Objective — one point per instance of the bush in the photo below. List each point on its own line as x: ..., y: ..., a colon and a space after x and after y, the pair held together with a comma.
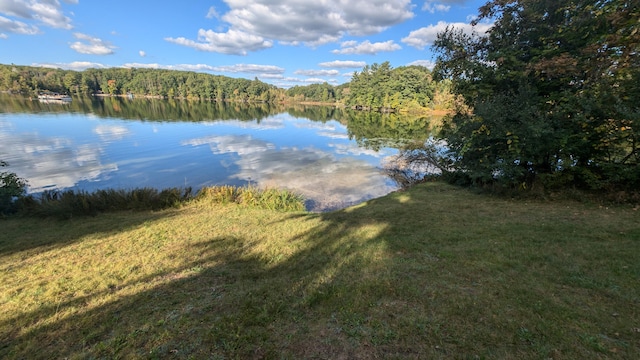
x: 12, y: 188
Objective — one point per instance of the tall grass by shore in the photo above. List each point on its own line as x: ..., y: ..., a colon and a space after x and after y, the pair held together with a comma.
x: 434, y: 272
x: 70, y: 203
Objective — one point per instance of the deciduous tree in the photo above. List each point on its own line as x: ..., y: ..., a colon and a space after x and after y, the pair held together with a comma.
x: 550, y: 91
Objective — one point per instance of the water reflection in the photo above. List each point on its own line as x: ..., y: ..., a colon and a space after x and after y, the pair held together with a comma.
x: 51, y: 162
x: 334, y: 161
x: 328, y: 182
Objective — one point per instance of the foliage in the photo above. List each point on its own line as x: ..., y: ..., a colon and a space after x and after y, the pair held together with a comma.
x: 147, y: 109
x: 11, y: 188
x: 69, y: 203
x: 314, y: 92
x: 407, y: 88
x: 373, y: 130
x: 417, y: 162
x: 380, y: 86
x: 550, y: 92
x: 271, y: 199
x: 147, y: 82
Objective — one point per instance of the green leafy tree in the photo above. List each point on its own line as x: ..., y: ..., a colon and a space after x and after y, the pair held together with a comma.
x: 548, y: 92
x: 11, y: 187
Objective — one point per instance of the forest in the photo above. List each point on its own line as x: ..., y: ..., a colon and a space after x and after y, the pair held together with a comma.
x: 378, y: 86
x: 160, y: 83
x: 381, y: 87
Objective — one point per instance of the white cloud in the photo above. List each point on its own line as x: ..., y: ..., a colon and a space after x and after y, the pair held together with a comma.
x: 237, y: 68
x: 339, y: 64
x: 232, y: 42
x: 212, y: 13
x: 431, y: 6
x: 366, y: 47
x: 426, y: 63
x: 4, y: 36
x: 76, y: 65
x: 317, y: 72
x: 250, y: 69
x: 46, y: 12
x: 91, y: 45
x: 255, y: 24
x: 52, y: 162
x: 17, y: 27
x: 271, y: 76
x: 427, y: 35
x: 142, y: 53
x: 110, y: 133
x: 314, y: 81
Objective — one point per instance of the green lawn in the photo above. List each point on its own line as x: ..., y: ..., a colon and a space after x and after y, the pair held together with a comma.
x: 432, y: 272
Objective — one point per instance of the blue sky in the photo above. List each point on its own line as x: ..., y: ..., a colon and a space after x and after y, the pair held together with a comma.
x: 282, y: 42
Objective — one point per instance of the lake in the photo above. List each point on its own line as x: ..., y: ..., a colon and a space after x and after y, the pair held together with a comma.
x: 332, y: 157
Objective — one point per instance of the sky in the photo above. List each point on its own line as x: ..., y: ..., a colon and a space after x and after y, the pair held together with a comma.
x: 281, y: 42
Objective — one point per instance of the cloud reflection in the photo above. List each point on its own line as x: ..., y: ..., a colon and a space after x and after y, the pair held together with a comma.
x: 315, y: 174
x: 51, y: 162
x: 110, y: 133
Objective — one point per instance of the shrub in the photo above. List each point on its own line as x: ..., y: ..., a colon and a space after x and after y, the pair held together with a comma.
x: 12, y: 187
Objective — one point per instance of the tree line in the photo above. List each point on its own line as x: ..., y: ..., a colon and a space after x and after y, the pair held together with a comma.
x: 376, y: 86
x: 145, y: 82
x: 382, y: 87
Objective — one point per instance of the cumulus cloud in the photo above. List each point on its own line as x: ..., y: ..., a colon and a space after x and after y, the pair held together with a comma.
x: 91, y: 45
x: 76, y: 65
x: 366, y: 47
x: 250, y: 69
x: 46, y: 12
x: 317, y: 72
x: 426, y: 63
x: 237, y: 68
x: 142, y: 53
x: 339, y: 64
x: 255, y: 24
x: 232, y: 42
x: 432, y: 6
x: 17, y: 27
x: 212, y: 13
x: 427, y: 35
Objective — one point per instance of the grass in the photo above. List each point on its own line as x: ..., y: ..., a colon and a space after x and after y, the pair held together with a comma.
x: 432, y: 272
x: 70, y: 203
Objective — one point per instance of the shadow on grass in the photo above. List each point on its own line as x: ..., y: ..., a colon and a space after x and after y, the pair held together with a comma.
x: 53, y: 233
x: 375, y: 281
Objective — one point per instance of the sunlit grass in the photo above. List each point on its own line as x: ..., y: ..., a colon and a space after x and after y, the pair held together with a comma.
x: 433, y: 272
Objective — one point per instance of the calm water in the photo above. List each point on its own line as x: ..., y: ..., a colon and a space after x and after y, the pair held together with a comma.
x: 331, y: 157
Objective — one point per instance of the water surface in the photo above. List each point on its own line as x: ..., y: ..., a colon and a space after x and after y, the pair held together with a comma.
x: 331, y: 157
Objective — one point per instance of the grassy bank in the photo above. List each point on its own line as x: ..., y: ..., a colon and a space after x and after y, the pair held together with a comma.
x: 433, y: 272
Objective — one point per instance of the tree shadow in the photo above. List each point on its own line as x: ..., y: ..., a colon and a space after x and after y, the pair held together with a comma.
x: 237, y: 302
x: 53, y: 233
x: 234, y: 301
x: 354, y: 284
